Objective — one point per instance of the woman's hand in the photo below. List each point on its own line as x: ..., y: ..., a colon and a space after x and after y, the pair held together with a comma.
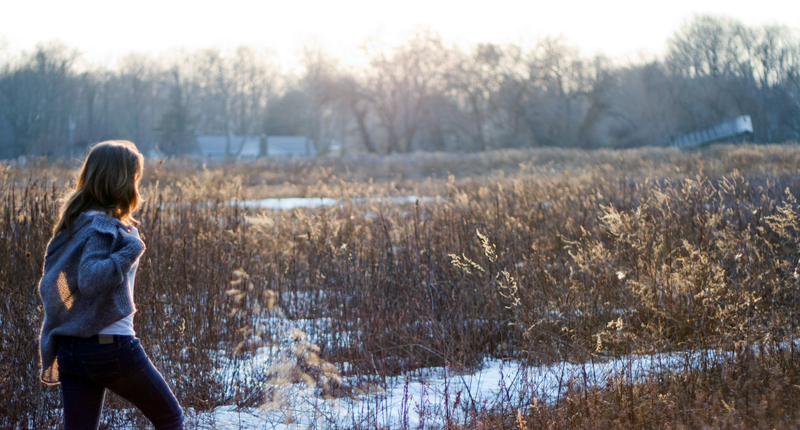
x: 129, y: 231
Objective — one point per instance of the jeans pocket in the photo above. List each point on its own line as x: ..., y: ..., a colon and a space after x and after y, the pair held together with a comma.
x: 65, y: 364
x: 102, y: 369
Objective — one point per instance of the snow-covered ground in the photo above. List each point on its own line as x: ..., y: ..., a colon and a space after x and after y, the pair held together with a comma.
x: 312, y: 202
x: 426, y: 397
x: 289, y: 203
x: 434, y: 395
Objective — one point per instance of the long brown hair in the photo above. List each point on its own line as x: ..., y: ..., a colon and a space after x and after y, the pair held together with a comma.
x: 108, y: 181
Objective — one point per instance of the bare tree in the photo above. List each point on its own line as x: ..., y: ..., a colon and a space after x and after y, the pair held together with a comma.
x: 355, y: 97
x: 706, y: 46
x: 400, y: 86
x: 38, y: 95
x: 137, y: 74
x: 475, y: 79
x: 559, y: 83
x: 326, y: 114
x: 234, y: 89
x: 176, y: 125
x: 723, y: 69
x: 419, y: 95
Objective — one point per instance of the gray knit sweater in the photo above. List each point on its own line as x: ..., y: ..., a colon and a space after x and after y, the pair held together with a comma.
x: 83, y: 288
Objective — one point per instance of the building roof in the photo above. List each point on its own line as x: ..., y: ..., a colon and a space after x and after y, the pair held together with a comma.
x: 214, y: 146
x: 290, y: 146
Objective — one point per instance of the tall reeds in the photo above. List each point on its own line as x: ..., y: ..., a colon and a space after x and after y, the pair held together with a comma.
x: 562, y: 255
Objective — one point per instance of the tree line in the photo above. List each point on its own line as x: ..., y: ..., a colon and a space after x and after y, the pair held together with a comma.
x: 419, y: 96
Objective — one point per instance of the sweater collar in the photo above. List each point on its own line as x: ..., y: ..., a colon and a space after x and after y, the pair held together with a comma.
x: 99, y: 222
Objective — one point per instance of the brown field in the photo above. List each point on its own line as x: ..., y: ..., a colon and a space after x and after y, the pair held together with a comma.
x: 540, y: 256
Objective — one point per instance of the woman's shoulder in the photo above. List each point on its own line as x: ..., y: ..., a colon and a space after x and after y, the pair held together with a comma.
x: 71, y: 239
x: 102, y: 223
x: 85, y: 225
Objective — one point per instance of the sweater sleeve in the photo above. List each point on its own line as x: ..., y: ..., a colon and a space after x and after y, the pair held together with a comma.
x: 100, y: 268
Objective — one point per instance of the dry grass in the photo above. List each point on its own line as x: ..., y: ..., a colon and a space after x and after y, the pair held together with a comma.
x: 750, y: 390
x: 541, y: 256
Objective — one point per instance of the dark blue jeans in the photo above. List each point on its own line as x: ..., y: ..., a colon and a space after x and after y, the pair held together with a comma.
x: 87, y: 368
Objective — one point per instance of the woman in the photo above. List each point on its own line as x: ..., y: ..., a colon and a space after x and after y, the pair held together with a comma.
x: 87, y: 341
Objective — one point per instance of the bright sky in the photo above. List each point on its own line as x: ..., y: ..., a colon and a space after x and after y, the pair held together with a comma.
x: 104, y: 30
